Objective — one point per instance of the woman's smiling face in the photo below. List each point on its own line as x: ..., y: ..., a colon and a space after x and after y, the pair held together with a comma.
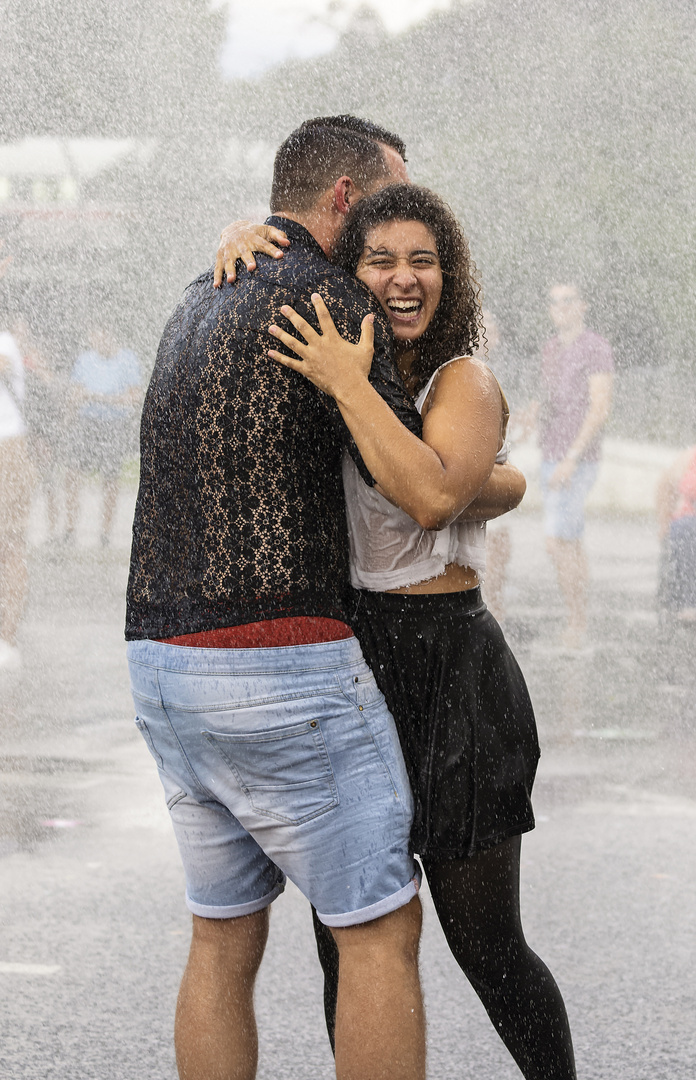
x: 401, y: 266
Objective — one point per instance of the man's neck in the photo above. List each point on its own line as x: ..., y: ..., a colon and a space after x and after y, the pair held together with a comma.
x: 567, y: 337
x: 320, y: 224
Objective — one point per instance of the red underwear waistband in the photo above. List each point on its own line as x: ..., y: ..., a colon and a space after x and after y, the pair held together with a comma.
x: 267, y: 634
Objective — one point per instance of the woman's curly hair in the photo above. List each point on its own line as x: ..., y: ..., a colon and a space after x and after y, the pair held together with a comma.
x: 454, y: 330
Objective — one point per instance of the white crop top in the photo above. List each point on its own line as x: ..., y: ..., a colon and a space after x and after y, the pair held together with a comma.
x: 388, y: 549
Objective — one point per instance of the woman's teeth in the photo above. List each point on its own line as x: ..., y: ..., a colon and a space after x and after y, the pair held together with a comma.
x: 404, y: 307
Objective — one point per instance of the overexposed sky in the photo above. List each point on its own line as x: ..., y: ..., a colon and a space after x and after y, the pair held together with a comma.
x: 263, y: 33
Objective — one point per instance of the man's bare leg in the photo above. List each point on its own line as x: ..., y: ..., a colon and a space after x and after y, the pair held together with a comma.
x: 571, y: 567
x: 380, y: 1023
x: 215, y: 1030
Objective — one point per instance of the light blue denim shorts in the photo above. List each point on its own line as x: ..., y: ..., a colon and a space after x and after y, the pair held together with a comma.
x: 564, y: 507
x: 275, y: 762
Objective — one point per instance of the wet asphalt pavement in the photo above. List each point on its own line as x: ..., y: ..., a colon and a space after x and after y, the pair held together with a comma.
x: 93, y: 928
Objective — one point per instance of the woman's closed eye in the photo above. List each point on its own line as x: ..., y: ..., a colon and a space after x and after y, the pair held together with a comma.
x: 379, y: 260
x: 382, y: 262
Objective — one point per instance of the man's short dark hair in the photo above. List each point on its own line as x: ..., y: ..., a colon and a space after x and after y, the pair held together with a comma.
x: 361, y: 127
x: 321, y: 150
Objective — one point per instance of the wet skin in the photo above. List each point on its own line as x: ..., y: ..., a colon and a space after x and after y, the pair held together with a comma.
x: 400, y: 265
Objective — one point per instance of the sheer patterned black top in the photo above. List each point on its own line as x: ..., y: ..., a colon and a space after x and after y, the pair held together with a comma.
x: 240, y: 514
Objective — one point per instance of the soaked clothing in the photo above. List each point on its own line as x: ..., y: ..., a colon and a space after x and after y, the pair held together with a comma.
x: 463, y: 714
x: 468, y: 735
x: 388, y: 549
x: 240, y: 514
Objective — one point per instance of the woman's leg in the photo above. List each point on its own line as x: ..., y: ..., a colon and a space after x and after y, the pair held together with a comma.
x: 327, y: 950
x: 477, y: 902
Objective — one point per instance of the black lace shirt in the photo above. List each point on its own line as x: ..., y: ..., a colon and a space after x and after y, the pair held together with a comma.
x: 240, y: 514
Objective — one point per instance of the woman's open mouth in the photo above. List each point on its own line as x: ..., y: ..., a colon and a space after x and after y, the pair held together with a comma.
x: 405, y: 309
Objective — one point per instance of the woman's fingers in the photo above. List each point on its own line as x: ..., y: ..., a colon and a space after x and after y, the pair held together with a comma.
x: 323, y: 314
x: 246, y: 254
x: 286, y: 361
x: 219, y: 268
x: 278, y: 236
x: 288, y: 340
x: 267, y: 246
x: 241, y: 241
x: 308, y: 332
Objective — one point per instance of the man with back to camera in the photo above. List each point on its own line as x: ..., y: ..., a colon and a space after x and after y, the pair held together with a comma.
x: 275, y: 750
x: 577, y: 379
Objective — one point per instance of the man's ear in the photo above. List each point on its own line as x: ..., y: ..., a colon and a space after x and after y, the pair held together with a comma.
x: 345, y: 194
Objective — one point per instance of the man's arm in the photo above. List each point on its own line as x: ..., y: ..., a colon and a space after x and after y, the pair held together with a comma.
x: 600, y: 387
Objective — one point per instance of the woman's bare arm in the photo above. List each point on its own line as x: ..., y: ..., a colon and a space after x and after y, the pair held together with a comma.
x: 502, y: 492
x: 435, y: 479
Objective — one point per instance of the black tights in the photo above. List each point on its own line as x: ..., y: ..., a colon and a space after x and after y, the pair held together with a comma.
x: 477, y: 903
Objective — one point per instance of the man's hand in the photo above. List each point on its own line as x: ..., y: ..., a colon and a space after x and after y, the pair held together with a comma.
x: 563, y: 473
x: 239, y: 241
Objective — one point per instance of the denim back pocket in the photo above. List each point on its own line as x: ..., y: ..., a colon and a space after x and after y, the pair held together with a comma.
x: 285, y: 772
x: 145, y: 732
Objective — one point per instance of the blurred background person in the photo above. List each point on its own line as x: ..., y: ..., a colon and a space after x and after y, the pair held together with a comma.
x: 106, y: 392
x: 5, y: 260
x: 44, y: 417
x: 576, y: 383
x: 16, y: 485
x: 676, y: 517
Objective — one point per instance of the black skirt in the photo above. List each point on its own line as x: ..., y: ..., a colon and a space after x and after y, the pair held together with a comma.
x: 463, y: 713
